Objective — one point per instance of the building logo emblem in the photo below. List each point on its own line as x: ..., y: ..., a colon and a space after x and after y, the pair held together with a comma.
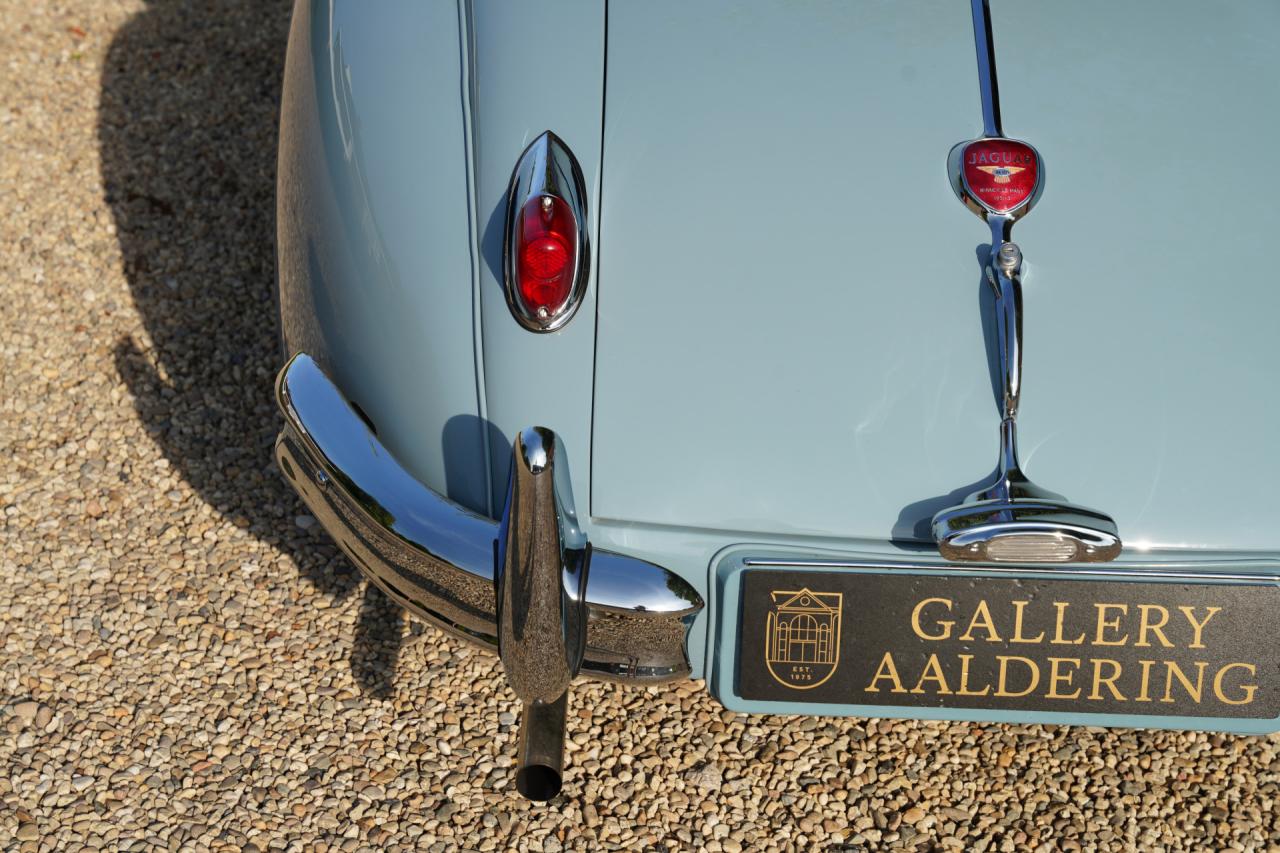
x: 802, y: 637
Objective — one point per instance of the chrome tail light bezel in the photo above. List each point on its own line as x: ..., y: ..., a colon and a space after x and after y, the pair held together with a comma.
x: 546, y: 168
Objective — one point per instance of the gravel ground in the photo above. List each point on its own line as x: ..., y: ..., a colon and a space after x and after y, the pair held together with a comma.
x: 187, y: 663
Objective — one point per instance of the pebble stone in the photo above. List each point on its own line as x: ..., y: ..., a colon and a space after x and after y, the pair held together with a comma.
x: 187, y: 663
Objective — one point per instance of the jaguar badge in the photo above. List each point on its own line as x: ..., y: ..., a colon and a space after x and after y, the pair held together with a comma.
x: 994, y: 176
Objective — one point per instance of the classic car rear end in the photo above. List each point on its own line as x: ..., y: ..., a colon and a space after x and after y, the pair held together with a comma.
x: 749, y: 432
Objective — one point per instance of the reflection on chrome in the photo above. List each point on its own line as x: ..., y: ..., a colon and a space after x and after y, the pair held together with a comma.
x: 436, y: 558
x: 542, y: 569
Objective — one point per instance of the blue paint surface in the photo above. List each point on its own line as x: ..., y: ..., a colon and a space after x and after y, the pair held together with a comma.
x: 783, y: 344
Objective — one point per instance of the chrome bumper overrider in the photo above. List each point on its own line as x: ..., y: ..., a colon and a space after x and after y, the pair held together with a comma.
x: 437, y: 559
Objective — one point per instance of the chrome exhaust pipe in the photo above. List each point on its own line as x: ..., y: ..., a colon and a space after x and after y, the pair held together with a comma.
x: 542, y: 560
x: 540, y: 750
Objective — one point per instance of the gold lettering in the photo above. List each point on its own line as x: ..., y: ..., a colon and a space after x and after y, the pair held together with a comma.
x: 1002, y: 680
x: 944, y: 624
x: 1110, y: 680
x: 1104, y: 624
x: 1249, y: 689
x: 886, y: 669
x: 932, y: 672
x: 1194, y: 692
x: 981, y: 619
x: 964, y: 679
x: 1061, y: 607
x: 1017, y: 625
x: 1146, y: 681
x: 1055, y: 677
x: 1146, y: 625
x: 1198, y: 627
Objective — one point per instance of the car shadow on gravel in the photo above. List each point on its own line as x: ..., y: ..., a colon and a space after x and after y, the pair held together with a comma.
x: 188, y: 116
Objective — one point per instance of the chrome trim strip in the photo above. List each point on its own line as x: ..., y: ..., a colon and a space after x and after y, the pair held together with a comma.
x: 986, y: 68
x: 547, y: 167
x: 1086, y: 571
x: 466, y: 35
x: 436, y: 558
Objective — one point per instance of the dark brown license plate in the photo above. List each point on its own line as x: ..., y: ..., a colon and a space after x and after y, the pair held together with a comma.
x: 1078, y: 646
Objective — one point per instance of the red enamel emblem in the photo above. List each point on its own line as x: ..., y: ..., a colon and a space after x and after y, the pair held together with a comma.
x: 1000, y: 173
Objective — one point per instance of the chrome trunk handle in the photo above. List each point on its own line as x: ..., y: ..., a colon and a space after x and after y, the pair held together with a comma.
x: 1010, y: 519
x: 1004, y: 273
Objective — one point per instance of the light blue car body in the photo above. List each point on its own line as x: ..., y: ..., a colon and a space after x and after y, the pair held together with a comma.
x: 781, y: 348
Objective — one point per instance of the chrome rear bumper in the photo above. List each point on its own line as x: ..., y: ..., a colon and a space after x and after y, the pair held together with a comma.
x: 437, y: 559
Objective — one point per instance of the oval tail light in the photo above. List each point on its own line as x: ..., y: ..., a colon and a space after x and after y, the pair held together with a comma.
x: 546, y: 246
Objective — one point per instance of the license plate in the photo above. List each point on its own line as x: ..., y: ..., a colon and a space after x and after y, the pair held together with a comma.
x: 1020, y: 644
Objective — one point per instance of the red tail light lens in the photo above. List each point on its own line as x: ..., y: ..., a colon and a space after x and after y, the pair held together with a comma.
x: 546, y: 242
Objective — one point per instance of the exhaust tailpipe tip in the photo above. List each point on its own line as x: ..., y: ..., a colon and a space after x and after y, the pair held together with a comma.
x: 540, y: 752
x: 538, y: 782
